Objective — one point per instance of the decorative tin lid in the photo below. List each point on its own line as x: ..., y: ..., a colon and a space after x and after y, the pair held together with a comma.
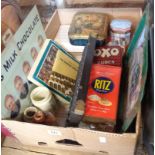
x: 89, y: 23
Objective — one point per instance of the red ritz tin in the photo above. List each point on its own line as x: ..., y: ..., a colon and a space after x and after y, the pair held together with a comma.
x: 103, y: 93
x: 109, y: 55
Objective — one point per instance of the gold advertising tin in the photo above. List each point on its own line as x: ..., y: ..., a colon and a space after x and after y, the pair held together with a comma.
x: 88, y: 23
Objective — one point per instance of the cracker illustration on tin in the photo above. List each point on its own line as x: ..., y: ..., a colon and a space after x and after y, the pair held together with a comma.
x: 101, y: 101
x: 105, y: 102
x: 94, y: 98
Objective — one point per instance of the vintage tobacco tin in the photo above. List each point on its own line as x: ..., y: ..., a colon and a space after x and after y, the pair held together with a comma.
x: 109, y: 55
x: 87, y: 23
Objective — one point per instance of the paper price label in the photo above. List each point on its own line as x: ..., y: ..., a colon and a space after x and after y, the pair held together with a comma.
x: 102, y: 139
x: 7, y: 36
x: 54, y: 132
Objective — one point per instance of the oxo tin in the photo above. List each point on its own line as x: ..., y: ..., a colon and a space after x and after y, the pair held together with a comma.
x: 109, y: 55
x: 102, y: 95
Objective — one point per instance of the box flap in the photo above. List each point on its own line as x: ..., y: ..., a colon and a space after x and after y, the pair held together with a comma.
x: 100, y: 141
x: 37, y: 133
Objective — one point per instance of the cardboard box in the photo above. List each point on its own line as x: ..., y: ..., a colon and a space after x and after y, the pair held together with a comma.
x: 83, y: 139
x: 104, y: 3
x: 58, y: 25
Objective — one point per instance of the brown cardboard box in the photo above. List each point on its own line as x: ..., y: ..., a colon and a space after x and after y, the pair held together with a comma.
x: 104, y: 3
x: 58, y: 25
x: 84, y: 140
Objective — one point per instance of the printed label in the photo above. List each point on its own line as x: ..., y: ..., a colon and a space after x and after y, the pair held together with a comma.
x: 102, y: 140
x: 54, y: 132
x: 7, y: 36
x: 108, y: 55
x: 107, y: 52
x: 102, y: 85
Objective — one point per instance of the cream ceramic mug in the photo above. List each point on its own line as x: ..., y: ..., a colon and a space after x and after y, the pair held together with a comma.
x: 42, y: 98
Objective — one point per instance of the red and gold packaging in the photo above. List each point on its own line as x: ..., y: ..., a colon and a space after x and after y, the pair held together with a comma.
x: 103, y: 93
x: 109, y: 55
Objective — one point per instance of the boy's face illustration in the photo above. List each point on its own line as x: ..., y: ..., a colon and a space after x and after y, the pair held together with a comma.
x: 10, y: 103
x: 34, y: 53
x: 26, y: 68
x: 40, y: 41
x: 19, y: 85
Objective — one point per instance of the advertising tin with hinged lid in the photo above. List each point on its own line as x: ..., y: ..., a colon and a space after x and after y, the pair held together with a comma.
x: 88, y: 23
x: 102, y: 95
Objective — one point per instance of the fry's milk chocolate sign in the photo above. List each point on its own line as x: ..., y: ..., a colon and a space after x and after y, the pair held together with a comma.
x: 16, y: 61
x: 103, y: 92
x: 108, y: 55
